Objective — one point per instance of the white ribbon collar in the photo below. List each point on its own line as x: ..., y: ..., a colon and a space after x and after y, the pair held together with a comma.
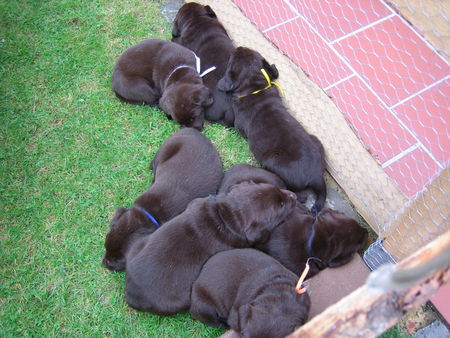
x: 197, y: 65
x: 197, y: 68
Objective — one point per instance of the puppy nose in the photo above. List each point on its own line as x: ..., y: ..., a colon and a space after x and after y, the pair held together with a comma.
x: 106, y: 263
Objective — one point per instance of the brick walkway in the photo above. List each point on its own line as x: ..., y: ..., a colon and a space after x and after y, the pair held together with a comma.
x: 387, y: 80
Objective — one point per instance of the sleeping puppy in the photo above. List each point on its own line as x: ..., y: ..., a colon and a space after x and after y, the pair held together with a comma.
x: 277, y: 140
x: 186, y: 166
x: 161, y: 72
x: 332, y: 237
x: 249, y: 292
x: 162, y: 267
x: 197, y: 28
x: 242, y: 172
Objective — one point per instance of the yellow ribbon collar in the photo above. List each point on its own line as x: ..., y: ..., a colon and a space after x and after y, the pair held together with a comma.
x: 269, y: 84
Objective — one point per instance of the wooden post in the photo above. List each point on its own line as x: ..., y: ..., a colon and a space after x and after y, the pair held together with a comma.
x: 369, y: 310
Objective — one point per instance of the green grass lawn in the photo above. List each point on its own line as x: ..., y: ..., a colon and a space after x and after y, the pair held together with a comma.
x: 71, y: 153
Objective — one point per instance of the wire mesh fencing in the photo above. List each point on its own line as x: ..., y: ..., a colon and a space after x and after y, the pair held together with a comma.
x: 385, y: 66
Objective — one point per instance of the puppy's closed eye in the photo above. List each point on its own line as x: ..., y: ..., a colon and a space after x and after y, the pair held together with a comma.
x: 210, y: 12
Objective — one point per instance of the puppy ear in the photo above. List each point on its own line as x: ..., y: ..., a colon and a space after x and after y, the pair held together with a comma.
x: 239, y: 317
x: 210, y: 12
x: 250, y: 318
x: 204, y: 98
x: 341, y: 260
x: 166, y: 104
x: 119, y: 212
x: 222, y: 208
x: 271, y: 70
x: 208, y: 101
x: 257, y: 233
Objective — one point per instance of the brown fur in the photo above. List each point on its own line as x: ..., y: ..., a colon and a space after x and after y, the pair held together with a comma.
x: 186, y: 166
x: 277, y: 140
x: 197, y: 28
x: 144, y: 74
x: 249, y: 292
x: 333, y: 237
x: 242, y: 172
x: 161, y: 268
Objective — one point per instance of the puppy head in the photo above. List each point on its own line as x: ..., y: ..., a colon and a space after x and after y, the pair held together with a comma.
x: 243, y: 73
x: 261, y: 207
x: 338, y: 237
x: 275, y: 316
x: 186, y: 103
x: 187, y: 14
x: 125, y: 224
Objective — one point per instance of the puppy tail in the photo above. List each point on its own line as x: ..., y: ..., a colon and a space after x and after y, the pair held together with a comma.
x: 321, y: 196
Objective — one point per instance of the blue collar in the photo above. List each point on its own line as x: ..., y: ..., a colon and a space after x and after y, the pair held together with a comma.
x: 149, y: 215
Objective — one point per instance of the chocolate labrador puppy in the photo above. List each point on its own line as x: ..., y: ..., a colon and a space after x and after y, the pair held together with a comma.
x: 197, y: 28
x: 242, y: 172
x: 277, y: 140
x: 332, y: 237
x: 161, y: 268
x: 161, y: 72
x: 249, y: 292
x: 186, y: 166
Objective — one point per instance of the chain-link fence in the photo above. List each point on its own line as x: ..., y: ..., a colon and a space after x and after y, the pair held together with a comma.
x: 385, y: 66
